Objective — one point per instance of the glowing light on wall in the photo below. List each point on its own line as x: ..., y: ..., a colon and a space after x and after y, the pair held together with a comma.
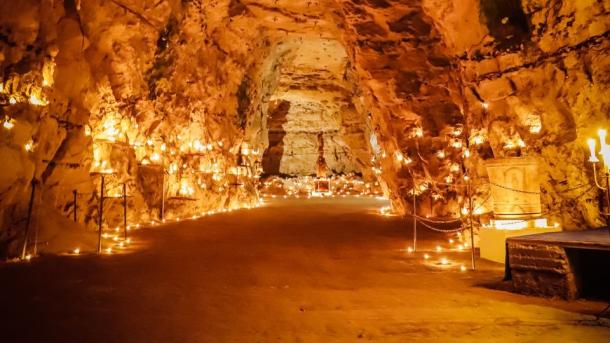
x: 536, y: 128
x: 36, y: 99
x: 418, y: 132
x: 398, y: 156
x: 8, y: 123
x: 29, y: 146
x: 456, y: 144
x: 478, y: 139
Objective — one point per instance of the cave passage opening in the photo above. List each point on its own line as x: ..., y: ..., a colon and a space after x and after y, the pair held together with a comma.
x: 308, y: 127
x: 183, y: 108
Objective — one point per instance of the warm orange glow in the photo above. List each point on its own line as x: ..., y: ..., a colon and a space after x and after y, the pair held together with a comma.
x: 29, y: 146
x: 8, y: 123
x: 592, y: 157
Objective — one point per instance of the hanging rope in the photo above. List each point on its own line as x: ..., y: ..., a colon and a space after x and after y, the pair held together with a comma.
x: 438, y: 221
x: 514, y: 190
x: 572, y: 189
x: 441, y: 230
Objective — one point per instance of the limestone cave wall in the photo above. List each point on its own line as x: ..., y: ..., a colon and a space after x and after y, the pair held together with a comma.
x: 185, y: 93
x: 141, y: 90
x: 535, y: 76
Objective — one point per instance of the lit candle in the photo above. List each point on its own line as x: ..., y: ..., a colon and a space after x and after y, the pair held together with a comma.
x: 591, y: 143
x: 8, y: 123
x: 398, y: 155
x: 604, y: 148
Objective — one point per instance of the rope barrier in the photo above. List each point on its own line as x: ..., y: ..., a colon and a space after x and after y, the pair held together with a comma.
x: 581, y: 194
x: 483, y: 202
x: 438, y: 221
x: 441, y: 230
x: 449, y: 184
x: 514, y: 190
x: 572, y: 189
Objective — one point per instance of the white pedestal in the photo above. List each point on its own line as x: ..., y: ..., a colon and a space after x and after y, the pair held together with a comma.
x: 492, y: 241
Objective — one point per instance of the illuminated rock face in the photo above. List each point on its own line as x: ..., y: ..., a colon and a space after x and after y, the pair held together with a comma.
x: 542, y: 67
x: 188, y: 74
x: 311, y: 99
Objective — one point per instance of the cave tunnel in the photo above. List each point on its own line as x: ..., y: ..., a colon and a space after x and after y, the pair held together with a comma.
x: 334, y: 166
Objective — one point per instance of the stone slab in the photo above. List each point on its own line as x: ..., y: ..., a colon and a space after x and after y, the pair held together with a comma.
x: 539, y: 264
x: 589, y: 239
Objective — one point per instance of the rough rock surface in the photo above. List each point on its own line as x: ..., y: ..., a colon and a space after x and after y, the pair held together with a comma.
x: 542, y: 270
x: 542, y: 68
x: 188, y: 85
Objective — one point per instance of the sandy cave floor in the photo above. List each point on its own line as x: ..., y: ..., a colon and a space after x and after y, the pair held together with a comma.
x: 330, y: 270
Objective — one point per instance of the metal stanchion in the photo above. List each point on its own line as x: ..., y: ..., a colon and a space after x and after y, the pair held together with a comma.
x: 414, y: 220
x: 163, y: 195
x: 470, y: 210
x: 125, y: 210
x: 29, y: 219
x: 36, y: 227
x: 100, y: 215
x: 75, y: 194
x: 607, y: 189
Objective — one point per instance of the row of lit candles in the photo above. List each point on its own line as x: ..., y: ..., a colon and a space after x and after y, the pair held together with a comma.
x: 443, y: 261
x: 120, y: 243
x: 604, y: 149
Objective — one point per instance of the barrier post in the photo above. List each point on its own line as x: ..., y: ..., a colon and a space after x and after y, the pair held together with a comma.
x: 24, y: 247
x: 100, y: 215
x: 414, y: 221
x: 471, y: 223
x: 125, y: 211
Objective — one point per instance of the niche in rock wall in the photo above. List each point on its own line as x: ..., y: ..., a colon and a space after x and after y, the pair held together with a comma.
x: 277, y: 117
x: 506, y: 22
x: 243, y: 102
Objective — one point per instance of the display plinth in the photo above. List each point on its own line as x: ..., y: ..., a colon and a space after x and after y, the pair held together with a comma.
x: 492, y: 241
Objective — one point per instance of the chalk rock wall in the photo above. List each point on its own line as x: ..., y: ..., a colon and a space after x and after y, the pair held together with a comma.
x: 535, y: 76
x: 314, y: 99
x: 201, y: 95
x: 142, y: 91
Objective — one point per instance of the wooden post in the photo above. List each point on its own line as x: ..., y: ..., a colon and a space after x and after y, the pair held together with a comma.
x: 125, y: 210
x: 29, y: 219
x: 75, y: 193
x: 100, y: 216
